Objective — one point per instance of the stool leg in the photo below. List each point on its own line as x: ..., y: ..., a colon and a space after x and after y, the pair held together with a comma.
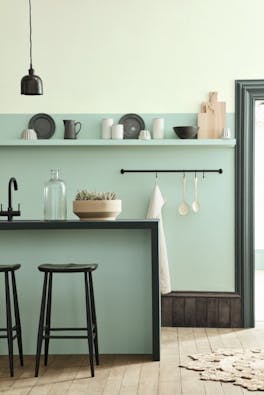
x: 17, y: 317
x: 89, y: 322
x: 9, y: 326
x: 94, y: 321
x: 41, y: 324
x: 48, y: 314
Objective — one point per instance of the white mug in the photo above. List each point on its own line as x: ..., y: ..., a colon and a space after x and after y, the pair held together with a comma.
x: 29, y: 134
x: 117, y: 131
x: 106, y: 126
x: 158, y: 128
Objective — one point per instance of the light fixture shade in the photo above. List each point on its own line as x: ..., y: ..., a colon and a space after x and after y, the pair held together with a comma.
x: 31, y: 84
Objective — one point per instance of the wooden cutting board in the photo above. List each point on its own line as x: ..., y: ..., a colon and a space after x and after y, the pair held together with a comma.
x: 212, y: 118
x: 206, y: 123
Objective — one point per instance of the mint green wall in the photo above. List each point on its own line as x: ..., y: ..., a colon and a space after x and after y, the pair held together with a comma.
x: 200, y: 247
x: 259, y: 259
x: 101, y: 56
x: 11, y: 125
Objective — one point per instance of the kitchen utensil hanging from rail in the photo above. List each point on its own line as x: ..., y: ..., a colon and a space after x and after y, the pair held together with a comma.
x: 195, y: 204
x: 184, y: 208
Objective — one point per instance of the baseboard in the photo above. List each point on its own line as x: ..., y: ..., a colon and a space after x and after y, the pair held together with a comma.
x: 201, y: 309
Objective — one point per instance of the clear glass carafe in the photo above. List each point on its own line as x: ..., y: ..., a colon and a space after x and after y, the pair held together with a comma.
x: 55, y: 205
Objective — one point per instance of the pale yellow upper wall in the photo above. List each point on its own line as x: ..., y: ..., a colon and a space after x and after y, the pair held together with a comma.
x: 99, y: 56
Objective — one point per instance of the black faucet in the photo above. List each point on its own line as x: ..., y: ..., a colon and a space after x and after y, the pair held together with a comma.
x: 10, y: 213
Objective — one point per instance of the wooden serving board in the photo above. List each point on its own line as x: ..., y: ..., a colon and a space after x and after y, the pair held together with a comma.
x: 206, y: 126
x: 212, y: 118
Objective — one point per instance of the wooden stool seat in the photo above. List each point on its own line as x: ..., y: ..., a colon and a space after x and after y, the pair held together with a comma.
x: 45, y: 329
x: 9, y: 268
x: 67, y: 268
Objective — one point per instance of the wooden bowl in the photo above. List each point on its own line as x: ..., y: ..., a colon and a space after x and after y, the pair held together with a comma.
x: 97, y: 210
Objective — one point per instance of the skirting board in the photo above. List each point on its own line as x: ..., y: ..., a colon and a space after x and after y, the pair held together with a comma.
x: 201, y: 309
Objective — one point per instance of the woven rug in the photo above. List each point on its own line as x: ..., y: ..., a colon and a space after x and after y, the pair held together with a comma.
x: 244, y: 368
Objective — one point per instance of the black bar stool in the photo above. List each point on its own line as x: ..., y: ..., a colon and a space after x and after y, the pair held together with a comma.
x: 45, y: 312
x: 7, y: 269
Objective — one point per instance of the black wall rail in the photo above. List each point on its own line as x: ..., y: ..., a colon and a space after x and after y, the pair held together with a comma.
x: 219, y: 171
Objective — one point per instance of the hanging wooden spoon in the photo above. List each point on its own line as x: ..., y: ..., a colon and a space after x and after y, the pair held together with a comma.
x: 195, y: 205
x: 184, y: 208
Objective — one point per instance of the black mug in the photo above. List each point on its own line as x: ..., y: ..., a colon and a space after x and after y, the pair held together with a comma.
x: 70, y: 131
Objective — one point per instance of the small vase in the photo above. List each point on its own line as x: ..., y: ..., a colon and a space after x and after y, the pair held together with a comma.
x: 118, y: 131
x: 158, y: 128
x: 106, y: 126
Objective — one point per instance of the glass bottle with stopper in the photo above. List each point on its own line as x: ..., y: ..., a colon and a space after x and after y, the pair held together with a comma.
x: 55, y: 205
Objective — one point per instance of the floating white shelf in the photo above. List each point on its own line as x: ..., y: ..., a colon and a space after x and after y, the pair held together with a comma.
x: 222, y: 143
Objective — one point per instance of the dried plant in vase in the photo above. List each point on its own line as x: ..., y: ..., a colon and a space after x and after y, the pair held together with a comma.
x: 93, y: 206
x: 87, y: 195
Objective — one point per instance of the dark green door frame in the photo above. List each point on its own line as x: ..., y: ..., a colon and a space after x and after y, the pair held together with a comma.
x: 246, y: 93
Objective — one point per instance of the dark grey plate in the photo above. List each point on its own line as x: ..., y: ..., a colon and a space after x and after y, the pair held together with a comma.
x: 133, y: 124
x: 43, y: 125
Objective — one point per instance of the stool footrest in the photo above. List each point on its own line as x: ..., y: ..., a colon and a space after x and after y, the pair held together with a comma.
x: 64, y: 337
x: 14, y: 328
x: 6, y: 337
x: 65, y: 329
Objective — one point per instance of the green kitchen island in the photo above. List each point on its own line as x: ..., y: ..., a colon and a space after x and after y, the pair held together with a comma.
x: 126, y: 286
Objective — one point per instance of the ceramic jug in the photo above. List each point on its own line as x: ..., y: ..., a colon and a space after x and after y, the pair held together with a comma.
x: 70, y: 131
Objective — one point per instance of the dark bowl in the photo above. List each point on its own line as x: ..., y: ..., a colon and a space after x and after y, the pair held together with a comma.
x: 186, y: 132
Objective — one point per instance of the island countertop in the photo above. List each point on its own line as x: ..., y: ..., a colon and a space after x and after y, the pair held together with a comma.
x: 125, y: 224
x: 77, y: 224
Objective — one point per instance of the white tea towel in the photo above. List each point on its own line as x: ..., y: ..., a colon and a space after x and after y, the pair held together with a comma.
x: 154, y: 212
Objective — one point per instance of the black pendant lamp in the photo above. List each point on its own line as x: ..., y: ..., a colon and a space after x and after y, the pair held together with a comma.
x: 31, y: 84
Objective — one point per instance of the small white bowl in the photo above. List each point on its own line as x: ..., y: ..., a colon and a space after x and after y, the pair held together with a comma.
x: 144, y: 135
x: 29, y: 134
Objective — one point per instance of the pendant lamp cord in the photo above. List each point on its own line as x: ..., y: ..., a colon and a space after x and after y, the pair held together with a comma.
x: 30, y: 34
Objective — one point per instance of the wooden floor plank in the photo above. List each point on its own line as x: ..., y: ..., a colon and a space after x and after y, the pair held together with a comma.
x: 116, y: 374
x: 214, y: 338
x: 203, y: 345
x: 149, y: 379
x: 249, y: 338
x: 213, y: 388
x: 230, y: 389
x: 170, y: 372
x: 130, y: 380
x: 229, y: 338
x: 190, y: 383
